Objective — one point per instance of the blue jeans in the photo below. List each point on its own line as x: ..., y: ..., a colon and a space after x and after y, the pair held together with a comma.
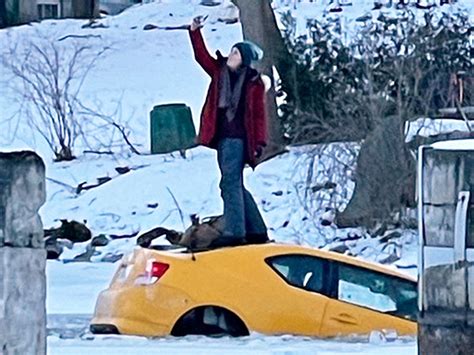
x: 241, y: 215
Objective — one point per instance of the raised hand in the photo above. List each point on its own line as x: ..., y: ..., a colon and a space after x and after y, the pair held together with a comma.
x: 198, y: 22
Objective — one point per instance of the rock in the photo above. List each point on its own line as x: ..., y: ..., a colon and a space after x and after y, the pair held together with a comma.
x: 94, y: 24
x: 87, y: 336
x: 48, y: 233
x: 364, y: 18
x: 210, y: 3
x: 389, y: 259
x: 111, y: 258
x: 74, y: 231
x: 103, y: 180
x: 349, y: 237
x: 149, y: 26
x: 122, y: 169
x: 100, y: 241
x: 228, y: 21
x: 53, y: 248
x: 325, y: 223
x: 327, y: 218
x: 326, y: 186
x: 342, y: 248
x: 123, y: 236
x: 390, y: 236
x: 379, y: 231
x: 335, y: 9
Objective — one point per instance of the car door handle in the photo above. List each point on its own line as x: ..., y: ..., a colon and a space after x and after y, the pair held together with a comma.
x: 345, y: 318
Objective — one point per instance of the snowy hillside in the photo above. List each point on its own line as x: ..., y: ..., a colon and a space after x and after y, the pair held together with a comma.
x: 141, y: 69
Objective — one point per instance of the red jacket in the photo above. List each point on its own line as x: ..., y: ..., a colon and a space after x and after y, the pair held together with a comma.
x: 254, y: 114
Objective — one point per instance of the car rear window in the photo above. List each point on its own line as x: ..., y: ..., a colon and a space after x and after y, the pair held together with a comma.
x: 302, y: 271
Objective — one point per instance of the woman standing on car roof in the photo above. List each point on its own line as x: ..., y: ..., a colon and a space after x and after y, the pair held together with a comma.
x: 233, y: 121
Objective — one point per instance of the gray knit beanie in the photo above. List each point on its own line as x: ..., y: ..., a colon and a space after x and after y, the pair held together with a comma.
x: 249, y: 52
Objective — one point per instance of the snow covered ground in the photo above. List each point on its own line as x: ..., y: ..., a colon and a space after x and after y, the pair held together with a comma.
x: 164, y: 190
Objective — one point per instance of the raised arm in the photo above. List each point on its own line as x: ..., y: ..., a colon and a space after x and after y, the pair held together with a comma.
x: 201, y: 54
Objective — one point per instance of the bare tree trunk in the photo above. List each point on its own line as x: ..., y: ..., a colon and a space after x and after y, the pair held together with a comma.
x: 3, y: 14
x: 85, y: 9
x: 259, y: 25
x: 385, y: 177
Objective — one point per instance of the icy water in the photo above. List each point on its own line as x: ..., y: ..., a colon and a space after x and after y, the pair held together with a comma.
x: 68, y: 334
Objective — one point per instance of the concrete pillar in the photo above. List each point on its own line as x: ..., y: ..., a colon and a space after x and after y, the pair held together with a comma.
x: 446, y: 220
x: 22, y: 255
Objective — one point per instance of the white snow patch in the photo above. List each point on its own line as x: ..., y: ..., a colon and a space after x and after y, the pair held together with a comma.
x: 461, y: 144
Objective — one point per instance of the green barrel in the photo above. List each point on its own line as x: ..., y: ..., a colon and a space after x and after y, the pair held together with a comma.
x: 172, y: 128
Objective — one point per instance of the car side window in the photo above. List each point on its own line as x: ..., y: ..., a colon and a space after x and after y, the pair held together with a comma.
x: 377, y: 291
x: 302, y: 271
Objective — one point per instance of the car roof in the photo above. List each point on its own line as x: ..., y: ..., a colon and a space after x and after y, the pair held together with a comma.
x: 274, y: 249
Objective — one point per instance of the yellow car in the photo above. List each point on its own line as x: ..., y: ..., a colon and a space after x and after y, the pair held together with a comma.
x: 269, y: 288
